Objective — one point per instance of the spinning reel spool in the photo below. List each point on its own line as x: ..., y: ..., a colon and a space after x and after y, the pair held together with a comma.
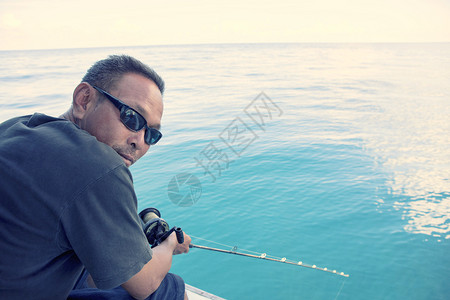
x: 157, y: 229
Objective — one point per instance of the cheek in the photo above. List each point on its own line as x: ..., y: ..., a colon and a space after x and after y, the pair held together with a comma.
x: 106, y: 130
x: 111, y: 135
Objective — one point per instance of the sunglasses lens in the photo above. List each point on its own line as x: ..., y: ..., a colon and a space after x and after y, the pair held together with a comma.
x: 131, y: 119
x: 152, y: 136
x: 136, y: 122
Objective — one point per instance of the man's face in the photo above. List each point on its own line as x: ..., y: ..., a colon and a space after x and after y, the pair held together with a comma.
x: 103, y: 119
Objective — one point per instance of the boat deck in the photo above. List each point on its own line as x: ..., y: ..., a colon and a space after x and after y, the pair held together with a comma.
x: 198, y: 294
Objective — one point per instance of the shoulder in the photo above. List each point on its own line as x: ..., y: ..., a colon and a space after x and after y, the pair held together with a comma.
x: 65, y: 142
x: 64, y: 158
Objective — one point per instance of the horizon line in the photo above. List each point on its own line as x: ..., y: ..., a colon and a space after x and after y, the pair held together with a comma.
x: 212, y: 44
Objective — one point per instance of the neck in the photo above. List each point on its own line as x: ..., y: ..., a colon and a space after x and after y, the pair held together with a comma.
x: 68, y: 115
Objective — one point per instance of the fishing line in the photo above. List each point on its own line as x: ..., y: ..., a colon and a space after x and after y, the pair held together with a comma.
x: 234, y: 248
x: 339, y: 292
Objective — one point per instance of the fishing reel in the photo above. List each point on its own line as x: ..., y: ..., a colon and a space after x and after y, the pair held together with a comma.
x: 157, y: 229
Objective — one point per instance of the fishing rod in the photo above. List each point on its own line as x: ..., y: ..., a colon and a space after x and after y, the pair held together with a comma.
x: 157, y: 230
x: 264, y: 256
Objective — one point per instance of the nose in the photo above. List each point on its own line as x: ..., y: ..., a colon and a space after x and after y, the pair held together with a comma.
x: 137, y: 141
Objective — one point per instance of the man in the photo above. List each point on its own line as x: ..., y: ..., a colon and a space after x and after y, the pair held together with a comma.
x: 67, y: 202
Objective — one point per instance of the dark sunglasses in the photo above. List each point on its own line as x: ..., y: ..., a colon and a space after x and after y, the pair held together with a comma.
x: 132, y: 119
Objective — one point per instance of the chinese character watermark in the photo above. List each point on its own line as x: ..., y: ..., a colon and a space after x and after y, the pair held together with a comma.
x: 238, y: 136
x: 212, y: 159
x: 185, y: 189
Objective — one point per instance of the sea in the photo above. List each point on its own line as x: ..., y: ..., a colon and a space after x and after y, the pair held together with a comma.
x: 333, y: 155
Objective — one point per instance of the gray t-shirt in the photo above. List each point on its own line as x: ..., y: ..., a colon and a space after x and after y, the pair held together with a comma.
x: 66, y: 201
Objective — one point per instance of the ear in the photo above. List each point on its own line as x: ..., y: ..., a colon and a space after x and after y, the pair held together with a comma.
x: 83, y: 99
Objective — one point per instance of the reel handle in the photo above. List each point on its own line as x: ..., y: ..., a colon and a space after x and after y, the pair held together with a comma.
x: 180, y: 235
x: 178, y: 232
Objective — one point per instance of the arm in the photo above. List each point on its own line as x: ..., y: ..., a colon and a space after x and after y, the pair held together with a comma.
x: 146, y: 281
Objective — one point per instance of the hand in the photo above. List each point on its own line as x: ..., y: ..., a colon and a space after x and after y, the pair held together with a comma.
x: 171, y: 244
x: 182, y: 248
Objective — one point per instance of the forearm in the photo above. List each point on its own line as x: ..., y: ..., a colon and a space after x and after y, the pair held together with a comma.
x: 144, y: 283
x: 160, y: 263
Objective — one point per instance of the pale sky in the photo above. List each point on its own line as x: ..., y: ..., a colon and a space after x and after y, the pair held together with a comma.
x: 45, y: 24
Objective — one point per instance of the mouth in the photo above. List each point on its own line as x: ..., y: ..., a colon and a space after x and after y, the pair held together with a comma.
x: 127, y: 159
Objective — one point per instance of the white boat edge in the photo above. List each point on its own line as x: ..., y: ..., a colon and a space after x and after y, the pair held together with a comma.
x: 198, y: 294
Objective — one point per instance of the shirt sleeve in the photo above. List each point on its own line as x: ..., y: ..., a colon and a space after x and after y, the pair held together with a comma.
x: 103, y: 228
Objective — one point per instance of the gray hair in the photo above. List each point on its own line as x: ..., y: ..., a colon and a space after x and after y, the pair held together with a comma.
x: 107, y: 72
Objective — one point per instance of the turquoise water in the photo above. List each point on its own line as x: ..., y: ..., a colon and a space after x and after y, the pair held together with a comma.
x: 343, y: 161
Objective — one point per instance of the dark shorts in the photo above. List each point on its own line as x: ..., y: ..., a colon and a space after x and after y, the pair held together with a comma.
x: 171, y: 288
